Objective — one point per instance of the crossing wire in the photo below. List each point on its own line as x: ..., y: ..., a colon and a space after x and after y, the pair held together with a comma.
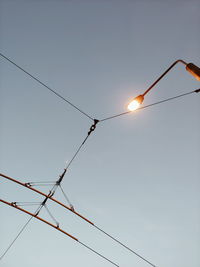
x: 20, y: 232
x: 108, y: 118
x: 150, y: 105
x: 46, y: 86
x: 26, y: 224
x: 59, y: 229
x: 55, y: 185
x: 91, y: 223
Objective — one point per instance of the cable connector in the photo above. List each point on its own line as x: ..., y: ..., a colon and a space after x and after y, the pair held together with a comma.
x: 61, y: 177
x: 197, y: 91
x: 72, y: 208
x: 93, y: 127
x: 28, y: 184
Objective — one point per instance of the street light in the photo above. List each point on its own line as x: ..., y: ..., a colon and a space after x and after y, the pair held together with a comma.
x: 190, y: 67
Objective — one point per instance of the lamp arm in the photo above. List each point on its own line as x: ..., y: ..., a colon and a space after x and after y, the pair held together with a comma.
x: 151, y: 86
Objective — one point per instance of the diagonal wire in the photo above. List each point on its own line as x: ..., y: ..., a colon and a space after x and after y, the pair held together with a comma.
x: 66, y: 197
x: 50, y: 89
x: 77, y: 151
x: 97, y: 253
x: 92, y: 128
x: 11, y: 244
x: 26, y: 224
x: 27, y: 203
x: 59, y: 229
x: 138, y: 255
x: 20, y: 232
x: 50, y: 214
x: 98, y: 228
x: 150, y: 105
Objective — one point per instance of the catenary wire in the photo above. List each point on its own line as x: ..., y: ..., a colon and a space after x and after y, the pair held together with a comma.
x: 65, y: 196
x: 91, y: 223
x: 78, y: 152
x: 150, y: 105
x: 20, y: 232
x: 59, y: 229
x: 92, y: 128
x: 97, y: 253
x: 55, y: 186
x: 46, y: 86
x: 26, y: 224
x: 116, y: 240
x: 51, y: 215
x: 27, y: 203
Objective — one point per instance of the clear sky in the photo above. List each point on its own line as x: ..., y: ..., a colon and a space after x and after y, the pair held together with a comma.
x: 137, y: 176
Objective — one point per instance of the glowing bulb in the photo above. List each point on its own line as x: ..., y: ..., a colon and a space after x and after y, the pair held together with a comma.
x: 135, y: 104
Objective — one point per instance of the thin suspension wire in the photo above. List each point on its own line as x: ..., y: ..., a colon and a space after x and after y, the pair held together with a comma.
x: 47, y: 184
x: 43, y: 182
x: 26, y: 224
x: 55, y: 187
x: 116, y: 240
x: 50, y: 89
x: 50, y: 214
x: 147, y: 106
x: 59, y: 229
x: 76, y: 153
x: 66, y: 197
x: 72, y: 210
x: 20, y: 232
x: 27, y: 203
x: 97, y: 253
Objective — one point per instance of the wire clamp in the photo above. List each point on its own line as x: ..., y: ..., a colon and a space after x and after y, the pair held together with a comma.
x: 93, y: 127
x: 61, y: 177
x: 72, y: 208
x: 28, y: 184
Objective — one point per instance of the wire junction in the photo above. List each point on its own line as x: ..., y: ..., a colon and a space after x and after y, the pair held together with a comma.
x: 57, y: 184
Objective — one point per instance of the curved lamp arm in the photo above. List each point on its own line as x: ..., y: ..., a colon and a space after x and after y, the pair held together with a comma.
x: 151, y: 86
x: 190, y: 67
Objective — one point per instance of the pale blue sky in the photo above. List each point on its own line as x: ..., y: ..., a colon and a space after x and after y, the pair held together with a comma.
x: 137, y: 176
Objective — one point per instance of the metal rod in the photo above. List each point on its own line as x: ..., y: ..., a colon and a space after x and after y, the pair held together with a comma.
x: 45, y: 195
x: 151, y: 86
x: 39, y: 218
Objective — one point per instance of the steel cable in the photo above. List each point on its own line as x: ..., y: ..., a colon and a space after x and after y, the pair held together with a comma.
x: 46, y: 86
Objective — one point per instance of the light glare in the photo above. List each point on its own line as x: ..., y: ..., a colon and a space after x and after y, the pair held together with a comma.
x: 133, y: 105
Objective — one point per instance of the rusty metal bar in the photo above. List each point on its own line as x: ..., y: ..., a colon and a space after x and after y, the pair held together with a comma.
x: 45, y: 195
x: 39, y: 218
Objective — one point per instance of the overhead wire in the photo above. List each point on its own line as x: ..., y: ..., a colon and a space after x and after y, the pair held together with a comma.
x: 59, y: 229
x: 46, y: 86
x: 15, y: 239
x: 92, y: 128
x: 79, y: 148
x: 57, y: 183
x: 66, y: 197
x: 26, y: 203
x: 18, y: 235
x: 119, y: 242
x: 85, y: 219
x: 51, y: 215
x: 150, y: 105
x: 41, y: 205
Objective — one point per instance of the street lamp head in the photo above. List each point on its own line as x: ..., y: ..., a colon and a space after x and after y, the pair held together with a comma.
x: 135, y: 103
x: 190, y: 67
x: 194, y: 70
